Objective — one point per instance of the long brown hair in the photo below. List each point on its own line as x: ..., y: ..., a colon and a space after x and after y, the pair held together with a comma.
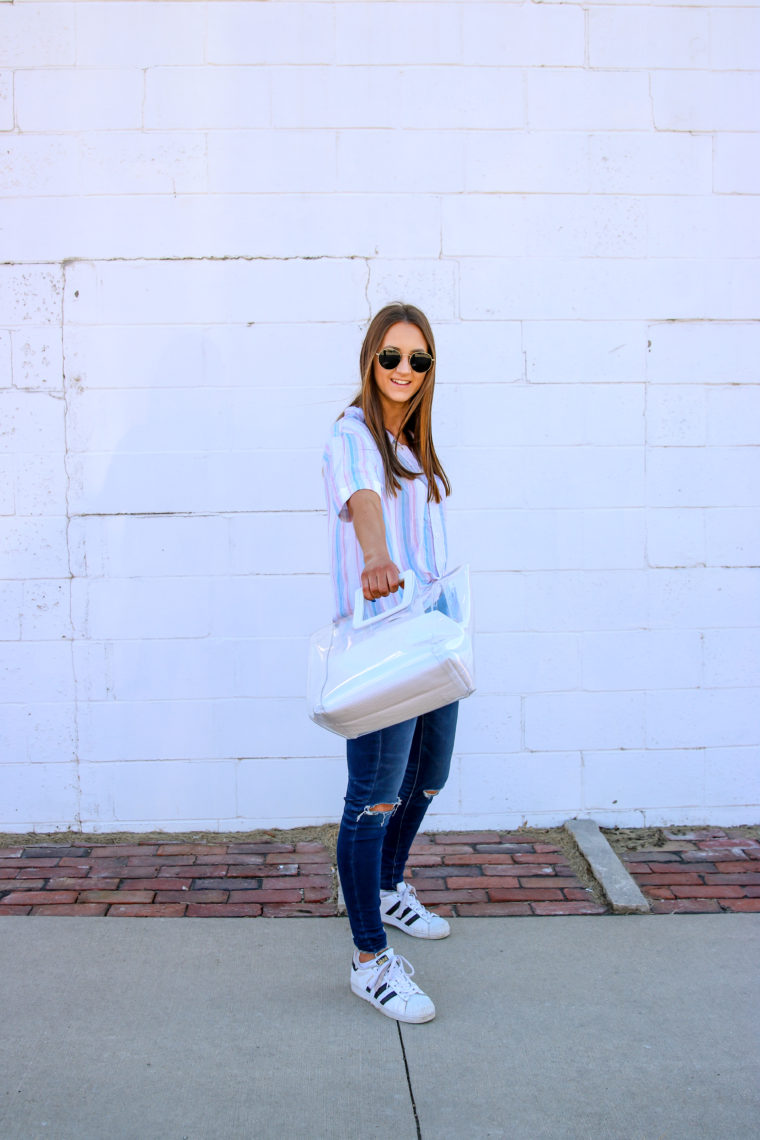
x: 417, y: 423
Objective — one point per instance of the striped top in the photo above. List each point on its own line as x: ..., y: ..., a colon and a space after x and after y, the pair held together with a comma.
x: 415, y: 529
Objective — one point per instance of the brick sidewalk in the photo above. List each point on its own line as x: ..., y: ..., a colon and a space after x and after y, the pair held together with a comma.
x: 496, y: 873
x: 463, y: 873
x: 232, y: 880
x: 701, y: 872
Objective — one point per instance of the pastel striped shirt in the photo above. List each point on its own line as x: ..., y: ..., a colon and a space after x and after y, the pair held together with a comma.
x: 415, y: 529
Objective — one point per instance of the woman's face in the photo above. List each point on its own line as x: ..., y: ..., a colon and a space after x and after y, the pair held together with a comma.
x: 400, y: 384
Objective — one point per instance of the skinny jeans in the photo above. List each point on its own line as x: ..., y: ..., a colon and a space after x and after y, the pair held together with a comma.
x: 405, y: 765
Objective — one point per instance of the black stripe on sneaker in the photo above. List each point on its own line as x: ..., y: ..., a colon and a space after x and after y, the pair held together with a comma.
x: 387, y: 997
x: 411, y: 920
x: 381, y: 989
x: 394, y: 908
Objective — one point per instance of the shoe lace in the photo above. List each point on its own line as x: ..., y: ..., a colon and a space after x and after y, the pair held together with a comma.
x: 409, y: 895
x: 398, y: 974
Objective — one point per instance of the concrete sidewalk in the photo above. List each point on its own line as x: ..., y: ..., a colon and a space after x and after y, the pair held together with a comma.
x: 630, y: 1028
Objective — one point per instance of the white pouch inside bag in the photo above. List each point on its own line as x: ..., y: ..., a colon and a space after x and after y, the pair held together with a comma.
x: 368, y: 673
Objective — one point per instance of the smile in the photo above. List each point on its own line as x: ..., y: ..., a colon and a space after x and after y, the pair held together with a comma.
x: 401, y: 383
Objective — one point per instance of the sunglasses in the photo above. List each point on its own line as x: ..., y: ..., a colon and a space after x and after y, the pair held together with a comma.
x: 390, y: 358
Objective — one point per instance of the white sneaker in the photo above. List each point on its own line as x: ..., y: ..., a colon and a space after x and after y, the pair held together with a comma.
x: 403, y: 909
x: 386, y: 982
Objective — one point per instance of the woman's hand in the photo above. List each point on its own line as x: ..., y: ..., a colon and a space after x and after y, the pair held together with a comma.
x: 379, y: 578
x: 380, y: 575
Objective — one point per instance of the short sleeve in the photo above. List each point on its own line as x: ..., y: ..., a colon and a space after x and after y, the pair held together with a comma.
x: 350, y: 463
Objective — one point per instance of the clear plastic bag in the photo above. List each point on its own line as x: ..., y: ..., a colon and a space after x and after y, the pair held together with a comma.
x: 368, y: 673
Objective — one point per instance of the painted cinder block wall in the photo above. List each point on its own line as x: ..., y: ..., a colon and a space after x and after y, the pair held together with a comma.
x: 202, y: 203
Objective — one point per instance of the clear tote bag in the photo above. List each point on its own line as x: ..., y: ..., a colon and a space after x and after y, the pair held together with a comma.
x: 368, y: 673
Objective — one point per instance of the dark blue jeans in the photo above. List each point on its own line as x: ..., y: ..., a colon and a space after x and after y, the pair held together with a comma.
x: 405, y: 766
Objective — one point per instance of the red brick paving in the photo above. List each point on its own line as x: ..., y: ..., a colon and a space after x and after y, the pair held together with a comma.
x: 477, y: 874
x: 168, y: 880
x: 705, y: 871
x: 486, y: 873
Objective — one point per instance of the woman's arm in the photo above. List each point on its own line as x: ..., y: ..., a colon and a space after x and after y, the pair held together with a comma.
x: 380, y: 575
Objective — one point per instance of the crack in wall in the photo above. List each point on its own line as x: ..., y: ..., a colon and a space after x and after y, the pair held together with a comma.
x: 204, y: 257
x: 366, y: 289
x: 69, y: 561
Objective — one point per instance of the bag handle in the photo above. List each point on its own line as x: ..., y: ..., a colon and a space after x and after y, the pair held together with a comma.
x: 408, y: 580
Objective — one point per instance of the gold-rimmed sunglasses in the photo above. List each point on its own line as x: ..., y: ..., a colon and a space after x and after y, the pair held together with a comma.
x: 390, y: 358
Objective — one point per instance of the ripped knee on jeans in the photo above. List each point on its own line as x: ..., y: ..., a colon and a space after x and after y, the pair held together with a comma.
x: 383, y: 811
x: 429, y: 794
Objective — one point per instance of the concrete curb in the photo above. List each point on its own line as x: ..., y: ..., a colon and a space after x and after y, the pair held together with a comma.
x: 341, y: 902
x: 619, y: 888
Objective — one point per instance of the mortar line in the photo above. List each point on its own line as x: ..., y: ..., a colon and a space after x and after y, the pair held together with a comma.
x: 409, y: 1082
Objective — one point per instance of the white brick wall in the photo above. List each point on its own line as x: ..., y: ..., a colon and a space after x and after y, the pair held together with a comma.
x: 705, y: 101
x: 37, y: 35
x: 633, y: 38
x: 202, y: 204
x: 737, y: 164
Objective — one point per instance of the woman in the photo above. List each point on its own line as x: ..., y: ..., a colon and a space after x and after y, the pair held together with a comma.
x: 385, y: 493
